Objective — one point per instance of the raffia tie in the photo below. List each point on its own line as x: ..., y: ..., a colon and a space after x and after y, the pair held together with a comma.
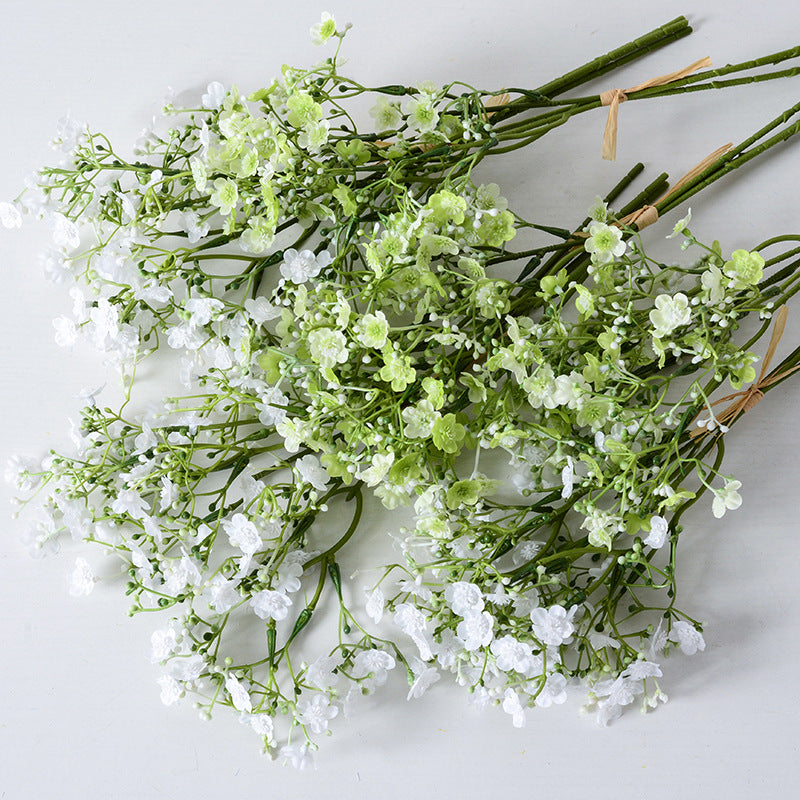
x: 647, y: 214
x: 747, y: 399
x: 613, y: 97
x: 495, y: 103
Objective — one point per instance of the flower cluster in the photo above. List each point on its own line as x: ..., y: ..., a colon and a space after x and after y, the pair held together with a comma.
x: 333, y: 308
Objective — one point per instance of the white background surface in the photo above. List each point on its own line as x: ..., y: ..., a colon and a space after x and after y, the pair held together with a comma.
x: 79, y: 708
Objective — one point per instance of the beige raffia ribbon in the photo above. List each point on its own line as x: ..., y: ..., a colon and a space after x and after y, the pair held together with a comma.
x: 613, y: 97
x: 495, y: 103
x: 746, y: 399
x: 647, y: 214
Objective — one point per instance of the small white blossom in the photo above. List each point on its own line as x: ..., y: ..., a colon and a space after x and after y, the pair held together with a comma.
x: 171, y: 690
x: 10, y: 216
x: 316, y: 713
x: 215, y: 94
x: 659, y: 530
x: 727, y: 498
x: 375, y: 605
x: 553, y: 625
x: 238, y: 694
x: 688, y: 637
x: 300, y: 267
x: 268, y: 604
x: 476, y: 629
x: 512, y: 706
x: 554, y: 691
x: 464, y: 597
x: 83, y: 579
x: 242, y: 533
x: 670, y: 313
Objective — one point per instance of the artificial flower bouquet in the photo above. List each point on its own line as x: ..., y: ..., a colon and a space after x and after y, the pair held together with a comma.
x: 342, y: 316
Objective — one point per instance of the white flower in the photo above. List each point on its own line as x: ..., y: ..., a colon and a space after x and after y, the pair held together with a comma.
x: 413, y: 622
x: 268, y: 604
x: 386, y: 114
x: 464, y: 597
x: 290, y: 572
x: 476, y: 629
x: 69, y: 133
x: 215, y: 94
x: 553, y: 625
x: 242, y: 533
x: 262, y: 724
x: 659, y: 530
x: 10, y: 216
x: 641, y: 669
x: 602, y: 527
x: 83, y: 579
x: 425, y: 678
x: 238, y: 694
x: 375, y: 604
x: 316, y: 713
x: 689, y: 638
x: 299, y: 267
x: 163, y: 643
x: 670, y: 313
x: 374, y: 474
x: 171, y: 690
x: 311, y: 471
x: 202, y: 310
x: 512, y: 706
x: 567, y: 478
x: 714, y: 283
x: 553, y: 692
x: 66, y: 331
x: 130, y: 502
x: 261, y: 310
x: 222, y: 594
x: 298, y: 755
x: 681, y: 224
x: 64, y: 231
x: 419, y: 420
x: 421, y: 112
x: 727, y: 498
x: 375, y: 663
x: 604, y: 243
x: 328, y: 347
x: 192, y: 226
x: 511, y: 654
x: 598, y: 211
x: 320, y: 673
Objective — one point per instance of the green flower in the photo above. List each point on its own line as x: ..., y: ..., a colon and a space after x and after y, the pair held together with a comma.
x: 604, y: 243
x: 225, y: 195
x: 445, y: 207
x: 372, y: 330
x: 448, y: 434
x: 747, y: 268
x: 353, y: 152
x: 463, y: 493
x: 498, y: 229
x: 406, y: 469
x: 303, y: 110
x: 397, y: 370
x: 324, y: 29
x: 434, y: 390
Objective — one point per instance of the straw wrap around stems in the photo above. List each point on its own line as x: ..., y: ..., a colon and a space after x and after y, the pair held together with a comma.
x: 747, y: 399
x: 613, y: 97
